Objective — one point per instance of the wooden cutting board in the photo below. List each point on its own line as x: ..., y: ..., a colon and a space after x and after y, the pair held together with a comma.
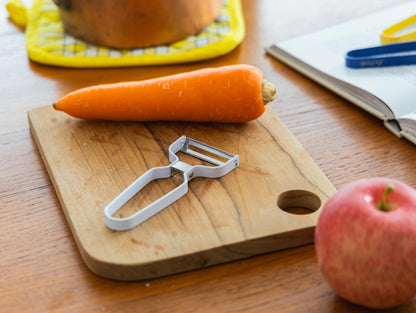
x: 247, y: 212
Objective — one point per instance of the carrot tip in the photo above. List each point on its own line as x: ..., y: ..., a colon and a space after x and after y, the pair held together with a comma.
x: 268, y: 91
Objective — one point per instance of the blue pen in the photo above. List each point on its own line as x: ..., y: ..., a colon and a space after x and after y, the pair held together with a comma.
x: 385, y: 55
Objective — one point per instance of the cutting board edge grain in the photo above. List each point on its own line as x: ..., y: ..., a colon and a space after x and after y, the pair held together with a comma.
x: 200, y: 259
x: 220, y: 253
x: 51, y: 174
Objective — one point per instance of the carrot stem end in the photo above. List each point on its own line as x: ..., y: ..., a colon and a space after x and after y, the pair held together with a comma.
x: 268, y: 91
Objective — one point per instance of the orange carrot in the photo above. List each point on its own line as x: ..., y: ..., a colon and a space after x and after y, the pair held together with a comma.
x: 230, y: 94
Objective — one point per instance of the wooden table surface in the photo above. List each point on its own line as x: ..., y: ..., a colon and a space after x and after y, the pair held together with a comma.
x: 41, y: 269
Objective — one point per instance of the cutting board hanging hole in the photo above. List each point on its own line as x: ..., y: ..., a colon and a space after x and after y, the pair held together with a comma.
x: 298, y: 202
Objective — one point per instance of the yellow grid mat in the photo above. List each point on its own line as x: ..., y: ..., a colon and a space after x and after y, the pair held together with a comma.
x: 47, y: 43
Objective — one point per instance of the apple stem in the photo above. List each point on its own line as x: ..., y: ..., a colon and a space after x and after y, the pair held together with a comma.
x: 383, y: 205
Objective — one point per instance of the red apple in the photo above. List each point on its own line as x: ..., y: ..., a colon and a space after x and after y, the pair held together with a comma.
x: 365, y: 242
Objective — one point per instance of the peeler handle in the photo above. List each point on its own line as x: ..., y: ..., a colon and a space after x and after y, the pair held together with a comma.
x: 139, y: 217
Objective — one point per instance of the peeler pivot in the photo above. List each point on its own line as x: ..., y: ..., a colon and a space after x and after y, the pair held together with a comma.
x: 187, y: 171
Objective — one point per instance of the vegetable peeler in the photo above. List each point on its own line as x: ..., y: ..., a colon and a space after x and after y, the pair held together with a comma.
x: 187, y: 171
x: 385, y: 55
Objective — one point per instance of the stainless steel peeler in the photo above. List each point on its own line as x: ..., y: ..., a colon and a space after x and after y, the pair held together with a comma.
x: 188, y: 172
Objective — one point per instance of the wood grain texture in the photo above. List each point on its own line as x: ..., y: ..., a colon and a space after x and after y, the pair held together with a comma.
x: 236, y: 216
x: 41, y: 269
